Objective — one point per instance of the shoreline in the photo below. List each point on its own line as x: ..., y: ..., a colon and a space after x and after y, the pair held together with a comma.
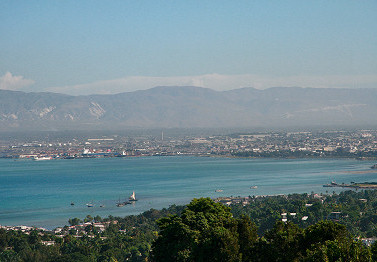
x: 361, y: 158
x: 226, y: 200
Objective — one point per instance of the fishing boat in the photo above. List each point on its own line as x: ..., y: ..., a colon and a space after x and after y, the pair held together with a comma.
x: 218, y: 190
x: 132, y: 197
x: 90, y: 205
x: 253, y: 187
x: 120, y: 204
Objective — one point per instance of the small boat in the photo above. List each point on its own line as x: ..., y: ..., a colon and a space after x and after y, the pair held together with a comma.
x: 218, y: 190
x: 332, y: 184
x: 253, y: 187
x: 41, y: 158
x: 374, y: 166
x: 72, y: 204
x: 102, y: 206
x: 132, y: 197
x: 90, y: 205
x: 120, y: 204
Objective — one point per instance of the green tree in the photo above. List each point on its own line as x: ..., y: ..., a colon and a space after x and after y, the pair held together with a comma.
x: 9, y: 256
x: 247, y: 232
x: 74, y: 221
x: 3, y: 239
x: 206, y: 231
x: 329, y: 241
x: 88, y: 218
x: 373, y: 250
x: 97, y: 219
x: 338, y: 250
x: 323, y: 231
x: 283, y: 242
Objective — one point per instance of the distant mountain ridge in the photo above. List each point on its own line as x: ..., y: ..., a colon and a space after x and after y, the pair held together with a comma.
x: 189, y: 107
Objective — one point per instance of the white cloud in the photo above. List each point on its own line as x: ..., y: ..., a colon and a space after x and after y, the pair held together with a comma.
x: 11, y: 82
x: 216, y: 82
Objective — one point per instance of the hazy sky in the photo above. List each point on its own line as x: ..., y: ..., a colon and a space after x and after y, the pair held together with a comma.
x: 82, y: 47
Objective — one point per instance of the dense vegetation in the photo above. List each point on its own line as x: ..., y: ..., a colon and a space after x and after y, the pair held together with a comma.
x: 129, y: 239
x: 208, y: 231
x: 358, y: 210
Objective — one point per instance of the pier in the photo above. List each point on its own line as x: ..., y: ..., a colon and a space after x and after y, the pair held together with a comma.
x: 365, y: 185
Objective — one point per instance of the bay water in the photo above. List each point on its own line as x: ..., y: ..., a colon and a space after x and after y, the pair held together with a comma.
x: 39, y: 193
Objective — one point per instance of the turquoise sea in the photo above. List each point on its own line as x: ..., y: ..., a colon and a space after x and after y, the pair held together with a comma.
x: 39, y: 193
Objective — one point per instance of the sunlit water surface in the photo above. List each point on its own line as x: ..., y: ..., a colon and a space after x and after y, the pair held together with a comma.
x: 39, y: 193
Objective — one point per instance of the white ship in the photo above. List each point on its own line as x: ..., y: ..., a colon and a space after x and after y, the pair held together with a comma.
x: 41, y: 158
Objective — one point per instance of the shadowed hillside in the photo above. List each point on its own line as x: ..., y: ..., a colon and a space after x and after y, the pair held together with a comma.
x: 183, y: 107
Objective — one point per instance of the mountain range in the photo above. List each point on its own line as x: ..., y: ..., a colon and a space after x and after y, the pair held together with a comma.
x: 190, y: 107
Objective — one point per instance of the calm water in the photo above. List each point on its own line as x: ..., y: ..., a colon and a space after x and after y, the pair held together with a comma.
x: 39, y: 193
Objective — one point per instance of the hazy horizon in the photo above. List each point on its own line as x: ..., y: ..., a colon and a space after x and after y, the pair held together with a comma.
x: 189, y: 86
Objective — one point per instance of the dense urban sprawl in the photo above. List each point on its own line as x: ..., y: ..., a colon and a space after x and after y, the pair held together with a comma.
x: 354, y: 144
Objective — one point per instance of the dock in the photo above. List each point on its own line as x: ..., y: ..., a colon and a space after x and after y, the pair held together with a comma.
x: 365, y: 185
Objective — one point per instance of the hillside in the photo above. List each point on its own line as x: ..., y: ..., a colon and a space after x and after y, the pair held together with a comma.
x: 182, y: 107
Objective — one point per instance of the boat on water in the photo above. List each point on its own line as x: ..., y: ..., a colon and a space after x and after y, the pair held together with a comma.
x: 120, y: 204
x: 132, y: 197
x: 218, y: 190
x: 72, y: 204
x: 90, y: 205
x: 374, y: 166
x: 253, y: 187
x: 332, y: 184
x: 41, y: 158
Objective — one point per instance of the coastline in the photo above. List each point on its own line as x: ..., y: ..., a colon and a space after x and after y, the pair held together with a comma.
x: 361, y: 158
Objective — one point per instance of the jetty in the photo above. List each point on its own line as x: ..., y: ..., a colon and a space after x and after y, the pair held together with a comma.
x: 365, y: 185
